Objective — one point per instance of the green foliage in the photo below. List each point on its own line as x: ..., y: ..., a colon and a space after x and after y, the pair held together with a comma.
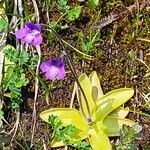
x: 3, y: 24
x: 93, y: 3
x: 1, y: 113
x: 107, y: 115
x: 61, y: 133
x: 88, y: 43
x: 62, y: 5
x: 148, y: 147
x: 74, y: 13
x: 15, y: 78
x: 15, y: 56
x: 23, y: 58
x: 13, y: 81
x: 64, y: 133
x: 128, y: 137
x: 88, y: 46
x: 71, y: 14
x: 82, y: 145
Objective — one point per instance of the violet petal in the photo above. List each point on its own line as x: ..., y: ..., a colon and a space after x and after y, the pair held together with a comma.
x: 53, y: 68
x: 33, y: 26
x: 28, y: 38
x: 57, y: 62
x: 30, y: 25
x: 38, y: 27
x: 61, y: 73
x: 52, y: 73
x: 45, y: 66
x: 37, y: 40
x: 22, y: 32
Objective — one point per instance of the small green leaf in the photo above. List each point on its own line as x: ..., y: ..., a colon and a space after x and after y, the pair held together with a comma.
x: 22, y: 82
x: 24, y: 56
x: 93, y: 3
x: 10, y: 54
x: 3, y: 24
x: 98, y: 139
x: 62, y: 5
x: 87, y: 46
x: 111, y: 101
x: 9, y: 72
x: 74, y: 13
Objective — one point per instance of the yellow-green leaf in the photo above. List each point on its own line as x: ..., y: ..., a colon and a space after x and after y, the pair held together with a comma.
x: 111, y: 101
x: 120, y: 112
x: 96, y: 87
x: 114, y: 124
x: 87, y: 88
x: 98, y: 139
x: 68, y: 116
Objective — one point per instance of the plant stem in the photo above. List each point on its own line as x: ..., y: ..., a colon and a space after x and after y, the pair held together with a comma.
x: 61, y: 17
x: 86, y: 55
x: 70, y: 65
x: 145, y: 114
x: 42, y: 83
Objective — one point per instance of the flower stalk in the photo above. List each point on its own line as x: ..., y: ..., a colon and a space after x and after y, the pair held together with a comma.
x: 70, y: 65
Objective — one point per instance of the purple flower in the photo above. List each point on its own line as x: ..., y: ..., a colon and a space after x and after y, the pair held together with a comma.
x: 31, y: 34
x: 53, y: 68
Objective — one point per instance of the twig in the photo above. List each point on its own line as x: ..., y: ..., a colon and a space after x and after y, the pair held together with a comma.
x: 36, y: 10
x: 73, y: 94
x: 47, y: 14
x: 13, y: 21
x: 139, y: 113
x: 20, y: 8
x: 16, y: 125
x: 145, y: 40
x: 44, y: 145
x: 2, y: 44
x: 36, y: 79
x: 35, y: 95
